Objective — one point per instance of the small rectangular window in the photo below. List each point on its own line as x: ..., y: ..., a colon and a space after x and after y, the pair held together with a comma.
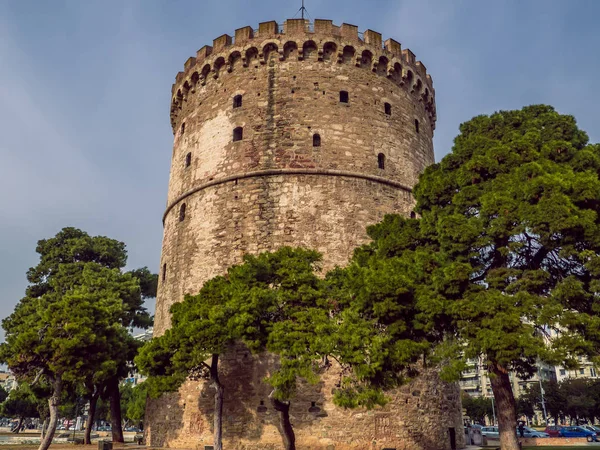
x: 237, y: 101
x: 388, y: 109
x: 238, y: 134
x: 344, y: 96
x: 417, y: 125
x: 563, y: 372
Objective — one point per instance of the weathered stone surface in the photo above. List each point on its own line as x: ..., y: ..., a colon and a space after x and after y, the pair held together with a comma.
x: 274, y: 188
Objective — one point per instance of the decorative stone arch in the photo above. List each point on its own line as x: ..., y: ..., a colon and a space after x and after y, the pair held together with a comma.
x: 396, y: 73
x: 218, y: 66
x: 204, y: 74
x: 348, y: 54
x: 251, y: 56
x: 179, y: 97
x: 186, y: 88
x: 290, y: 50
x: 309, y: 50
x: 418, y: 86
x: 382, y: 66
x: 408, y: 78
x: 195, y: 79
x: 329, y: 52
x: 235, y: 59
x: 268, y: 49
x: 366, y: 59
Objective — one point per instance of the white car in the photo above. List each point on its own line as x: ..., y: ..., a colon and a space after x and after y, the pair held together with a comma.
x: 490, y: 432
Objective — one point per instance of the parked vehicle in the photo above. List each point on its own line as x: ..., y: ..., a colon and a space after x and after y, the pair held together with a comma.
x: 591, y: 436
x: 592, y: 428
x: 553, y: 430
x: 531, y: 433
x: 490, y: 432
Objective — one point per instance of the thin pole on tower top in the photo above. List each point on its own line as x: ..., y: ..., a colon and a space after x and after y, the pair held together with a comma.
x: 302, y: 9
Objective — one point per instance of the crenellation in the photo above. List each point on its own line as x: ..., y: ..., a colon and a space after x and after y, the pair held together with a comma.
x: 408, y: 56
x: 393, y: 47
x: 421, y: 70
x: 221, y: 42
x: 324, y: 27
x: 349, y: 32
x: 373, y: 38
x: 203, y: 53
x: 268, y: 29
x: 295, y: 27
x: 190, y: 62
x: 243, y: 34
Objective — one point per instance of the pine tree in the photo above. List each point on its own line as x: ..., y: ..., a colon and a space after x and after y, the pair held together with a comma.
x: 506, y: 249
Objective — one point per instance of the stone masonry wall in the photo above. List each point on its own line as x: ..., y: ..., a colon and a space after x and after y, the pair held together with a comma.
x: 273, y: 187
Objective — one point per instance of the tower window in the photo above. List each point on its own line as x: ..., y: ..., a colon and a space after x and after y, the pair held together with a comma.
x: 343, y: 96
x: 388, y: 109
x: 182, y: 128
x: 188, y: 160
x: 182, y: 213
x: 164, y: 272
x: 316, y: 140
x: 417, y: 125
x: 237, y: 101
x: 381, y: 161
x: 238, y: 134
x: 413, y: 215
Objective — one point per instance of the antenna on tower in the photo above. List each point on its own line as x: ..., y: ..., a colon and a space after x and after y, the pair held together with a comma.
x: 302, y: 10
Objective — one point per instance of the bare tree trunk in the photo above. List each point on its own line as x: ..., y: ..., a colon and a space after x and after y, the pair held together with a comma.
x: 19, y: 425
x: 287, y: 431
x: 44, y: 427
x: 506, y: 407
x: 219, y: 390
x: 115, y: 410
x: 53, y: 403
x: 89, y: 423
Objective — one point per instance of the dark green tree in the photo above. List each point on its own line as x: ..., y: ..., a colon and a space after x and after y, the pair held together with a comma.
x: 506, y: 248
x: 133, y: 403
x: 20, y: 404
x: 477, y: 408
x: 3, y: 394
x: 268, y: 303
x: 73, y: 322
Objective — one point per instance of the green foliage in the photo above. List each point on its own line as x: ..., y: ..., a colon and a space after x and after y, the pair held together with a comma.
x: 3, y: 394
x: 133, y: 402
x: 271, y: 301
x: 72, y: 324
x: 21, y: 403
x: 477, y: 408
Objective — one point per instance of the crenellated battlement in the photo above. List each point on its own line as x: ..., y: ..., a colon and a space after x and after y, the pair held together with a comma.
x: 296, y: 39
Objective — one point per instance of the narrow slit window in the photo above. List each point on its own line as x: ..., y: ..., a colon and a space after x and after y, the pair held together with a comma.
x: 381, y: 161
x: 182, y: 128
x: 238, y: 134
x: 344, y: 96
x: 417, y: 125
x: 182, y: 213
x: 164, y: 272
x: 316, y: 140
x: 188, y: 160
x: 388, y: 109
x: 237, y: 101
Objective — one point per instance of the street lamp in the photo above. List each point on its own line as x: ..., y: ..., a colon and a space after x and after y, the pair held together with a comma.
x: 542, y: 396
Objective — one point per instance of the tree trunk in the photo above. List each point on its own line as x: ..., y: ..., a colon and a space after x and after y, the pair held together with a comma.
x: 89, y: 423
x: 44, y: 425
x: 219, y: 389
x: 115, y: 410
x: 53, y: 403
x: 506, y: 407
x: 19, y: 425
x: 287, y: 431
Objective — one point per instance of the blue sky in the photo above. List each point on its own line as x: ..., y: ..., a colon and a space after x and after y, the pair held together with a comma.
x: 85, y: 139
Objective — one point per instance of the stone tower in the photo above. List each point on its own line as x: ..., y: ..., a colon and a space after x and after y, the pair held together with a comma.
x: 299, y: 134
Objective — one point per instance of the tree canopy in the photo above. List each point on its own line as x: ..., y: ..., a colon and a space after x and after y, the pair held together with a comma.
x: 71, y: 327
x: 507, y: 247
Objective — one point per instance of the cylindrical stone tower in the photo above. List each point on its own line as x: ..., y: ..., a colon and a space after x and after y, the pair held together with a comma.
x: 301, y: 135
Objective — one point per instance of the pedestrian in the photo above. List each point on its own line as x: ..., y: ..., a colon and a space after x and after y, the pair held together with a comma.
x: 522, y: 428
